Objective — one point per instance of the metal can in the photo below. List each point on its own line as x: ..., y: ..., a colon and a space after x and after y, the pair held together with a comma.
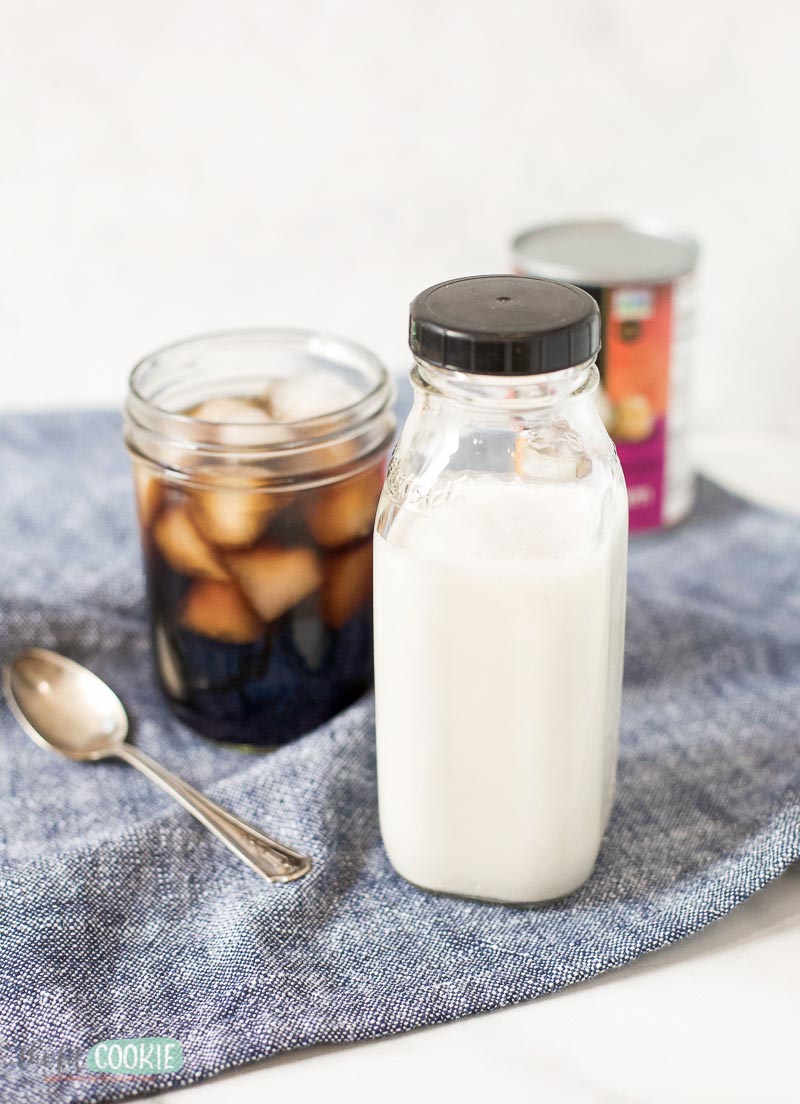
x: 641, y: 274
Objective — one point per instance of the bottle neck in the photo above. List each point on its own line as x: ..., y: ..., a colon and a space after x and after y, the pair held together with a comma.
x: 504, y: 394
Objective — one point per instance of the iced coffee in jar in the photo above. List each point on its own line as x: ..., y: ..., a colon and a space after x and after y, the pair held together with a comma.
x: 258, y: 460
x: 500, y: 579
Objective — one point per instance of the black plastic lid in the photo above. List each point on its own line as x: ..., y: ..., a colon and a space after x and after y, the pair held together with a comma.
x: 504, y: 325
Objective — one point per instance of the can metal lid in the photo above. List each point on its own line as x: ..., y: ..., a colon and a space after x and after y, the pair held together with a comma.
x: 504, y: 325
x: 606, y: 252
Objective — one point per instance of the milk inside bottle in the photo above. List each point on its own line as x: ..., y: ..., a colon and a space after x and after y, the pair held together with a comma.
x: 500, y: 560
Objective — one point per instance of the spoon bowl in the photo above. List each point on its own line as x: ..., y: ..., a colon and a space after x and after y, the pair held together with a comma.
x: 63, y: 706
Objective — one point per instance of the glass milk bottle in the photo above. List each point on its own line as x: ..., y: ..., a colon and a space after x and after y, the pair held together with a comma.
x: 500, y: 571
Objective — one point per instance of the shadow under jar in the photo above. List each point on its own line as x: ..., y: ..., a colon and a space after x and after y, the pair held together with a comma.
x: 258, y: 460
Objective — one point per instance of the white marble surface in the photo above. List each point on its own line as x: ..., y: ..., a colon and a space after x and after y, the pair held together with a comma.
x: 711, y: 1020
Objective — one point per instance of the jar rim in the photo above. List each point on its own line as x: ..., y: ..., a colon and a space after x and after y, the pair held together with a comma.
x: 170, y: 380
x: 273, y: 336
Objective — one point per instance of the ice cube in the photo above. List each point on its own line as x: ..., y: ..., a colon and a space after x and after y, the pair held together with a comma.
x: 345, y: 511
x: 218, y: 610
x: 183, y: 547
x: 149, y: 493
x: 328, y: 457
x: 348, y: 584
x: 275, y: 579
x: 309, y: 395
x: 550, y: 453
x: 233, y: 510
x: 237, y: 423
x: 230, y: 409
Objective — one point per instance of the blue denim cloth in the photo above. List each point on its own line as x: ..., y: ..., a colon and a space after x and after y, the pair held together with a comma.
x: 121, y: 917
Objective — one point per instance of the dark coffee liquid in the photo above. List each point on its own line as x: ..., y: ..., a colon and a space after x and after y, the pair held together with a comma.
x: 260, y: 601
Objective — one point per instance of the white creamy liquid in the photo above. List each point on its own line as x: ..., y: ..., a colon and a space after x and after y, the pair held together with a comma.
x: 498, y: 664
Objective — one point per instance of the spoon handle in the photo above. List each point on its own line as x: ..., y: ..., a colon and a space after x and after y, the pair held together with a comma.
x: 266, y: 856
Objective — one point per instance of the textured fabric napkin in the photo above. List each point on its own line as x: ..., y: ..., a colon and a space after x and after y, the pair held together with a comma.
x: 122, y: 918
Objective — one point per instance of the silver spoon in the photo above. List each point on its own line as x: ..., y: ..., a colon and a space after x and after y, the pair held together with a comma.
x: 64, y: 707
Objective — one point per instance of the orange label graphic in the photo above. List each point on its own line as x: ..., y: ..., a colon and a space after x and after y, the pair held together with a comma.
x: 637, y: 345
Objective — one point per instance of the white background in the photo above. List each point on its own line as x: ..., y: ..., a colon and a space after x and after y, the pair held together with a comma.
x: 175, y: 166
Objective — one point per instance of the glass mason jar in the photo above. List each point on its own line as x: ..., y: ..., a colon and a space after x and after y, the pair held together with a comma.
x: 258, y: 460
x: 500, y: 579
